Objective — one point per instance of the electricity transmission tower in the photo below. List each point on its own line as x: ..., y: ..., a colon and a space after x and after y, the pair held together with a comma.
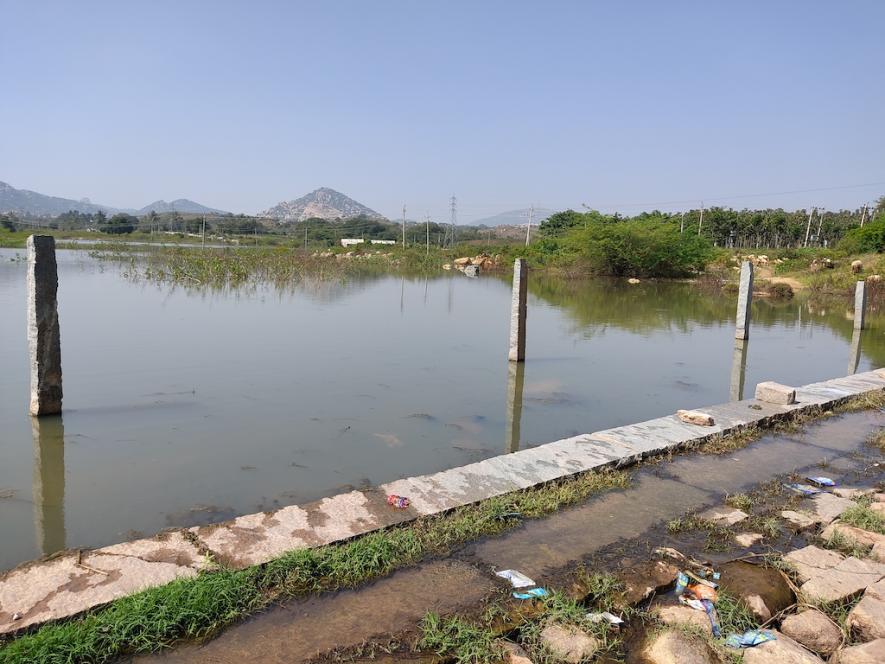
x: 453, y: 202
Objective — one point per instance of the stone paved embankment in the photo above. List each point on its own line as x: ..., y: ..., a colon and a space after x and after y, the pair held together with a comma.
x: 73, y: 582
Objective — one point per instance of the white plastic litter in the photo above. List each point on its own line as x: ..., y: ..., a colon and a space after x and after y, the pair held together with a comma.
x: 517, y: 579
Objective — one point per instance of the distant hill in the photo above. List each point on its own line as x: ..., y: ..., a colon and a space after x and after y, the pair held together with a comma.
x: 182, y: 205
x: 23, y: 201
x: 514, y: 218
x: 322, y: 203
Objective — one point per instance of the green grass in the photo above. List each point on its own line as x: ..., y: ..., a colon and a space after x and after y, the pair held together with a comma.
x: 740, y: 501
x: 845, y: 545
x: 460, y: 640
x: 861, y: 516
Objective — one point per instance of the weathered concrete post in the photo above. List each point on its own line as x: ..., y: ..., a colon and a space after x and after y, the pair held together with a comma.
x: 44, y: 341
x: 518, y: 310
x: 738, y: 370
x: 745, y: 296
x: 860, y: 305
x: 48, y: 484
x: 515, y: 383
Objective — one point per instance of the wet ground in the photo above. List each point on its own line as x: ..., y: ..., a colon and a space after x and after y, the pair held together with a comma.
x: 616, y: 529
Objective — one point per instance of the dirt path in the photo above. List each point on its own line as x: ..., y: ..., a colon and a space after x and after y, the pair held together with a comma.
x: 765, y: 272
x: 619, y: 527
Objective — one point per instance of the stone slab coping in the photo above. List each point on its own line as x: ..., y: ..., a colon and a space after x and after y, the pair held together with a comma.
x: 70, y: 583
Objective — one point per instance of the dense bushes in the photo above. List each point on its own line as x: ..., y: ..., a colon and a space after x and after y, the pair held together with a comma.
x: 639, y: 248
x: 870, y: 238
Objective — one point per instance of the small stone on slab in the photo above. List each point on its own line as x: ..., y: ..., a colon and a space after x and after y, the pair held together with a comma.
x: 727, y: 516
x: 771, y: 392
x: 866, y: 621
x: 695, y: 417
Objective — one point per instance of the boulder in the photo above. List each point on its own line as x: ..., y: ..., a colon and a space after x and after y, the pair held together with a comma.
x: 695, y: 417
x: 724, y: 515
x: 847, y: 579
x: 514, y: 654
x: 799, y: 520
x: 763, y: 590
x: 783, y: 650
x: 878, y: 552
x: 771, y: 392
x: 868, y: 653
x: 813, y: 630
x: 671, y: 647
x: 857, y: 535
x: 461, y: 262
x: 678, y: 615
x: 568, y: 643
x: 748, y: 539
x: 866, y: 621
x: 645, y: 579
x: 811, y: 561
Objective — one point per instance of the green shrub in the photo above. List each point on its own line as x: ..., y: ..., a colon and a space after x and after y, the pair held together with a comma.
x: 781, y: 290
x: 868, y: 239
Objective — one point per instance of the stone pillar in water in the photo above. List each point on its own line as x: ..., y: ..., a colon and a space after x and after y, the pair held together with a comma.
x: 860, y: 305
x: 44, y: 341
x: 518, y: 310
x: 48, y: 484
x: 854, y: 352
x: 515, y: 382
x: 745, y: 296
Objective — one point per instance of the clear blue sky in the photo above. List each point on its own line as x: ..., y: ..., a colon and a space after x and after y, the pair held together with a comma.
x: 239, y: 105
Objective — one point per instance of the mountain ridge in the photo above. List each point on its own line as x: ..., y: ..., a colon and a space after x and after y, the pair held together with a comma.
x: 322, y: 203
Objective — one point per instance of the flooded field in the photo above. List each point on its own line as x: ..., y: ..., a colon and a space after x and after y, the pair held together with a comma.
x: 185, y: 407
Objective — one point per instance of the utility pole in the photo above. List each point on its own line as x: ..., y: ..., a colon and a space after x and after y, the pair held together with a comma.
x: 404, y: 226
x: 203, y: 233
x: 427, y: 226
x: 454, y: 217
x: 863, y: 216
x: 682, y: 224
x: 701, y: 220
x: 528, y: 229
x: 820, y: 221
x: 808, y: 227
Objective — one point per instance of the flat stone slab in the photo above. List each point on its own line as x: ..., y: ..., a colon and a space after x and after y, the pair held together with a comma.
x: 857, y: 535
x: 783, y: 650
x: 799, y: 520
x: 847, y: 579
x: 867, y: 653
x: 724, y: 515
x: 866, y: 621
x: 811, y: 561
x: 72, y: 583
x: 63, y: 586
x: 827, y: 507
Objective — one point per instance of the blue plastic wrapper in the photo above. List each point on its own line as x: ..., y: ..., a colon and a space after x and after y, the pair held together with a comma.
x: 534, y: 593
x: 821, y: 481
x: 804, y: 489
x: 749, y: 639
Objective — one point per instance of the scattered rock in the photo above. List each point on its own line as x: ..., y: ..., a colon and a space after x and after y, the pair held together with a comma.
x: 771, y: 392
x: 813, y: 630
x: 811, y: 561
x: 857, y: 535
x: 461, y: 262
x: 514, y: 653
x: 867, y: 620
x: 868, y: 653
x: 569, y: 643
x: 672, y: 647
x: 781, y: 651
x: 762, y: 589
x: 726, y: 516
x: 679, y: 615
x: 827, y: 507
x: 447, y: 266
x: 748, y: 539
x: 799, y: 520
x: 642, y: 581
x: 845, y: 580
x: 851, y: 492
x: 695, y: 417
x: 633, y: 280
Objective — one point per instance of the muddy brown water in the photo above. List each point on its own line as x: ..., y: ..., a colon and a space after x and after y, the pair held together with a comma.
x: 541, y: 548
x: 186, y: 406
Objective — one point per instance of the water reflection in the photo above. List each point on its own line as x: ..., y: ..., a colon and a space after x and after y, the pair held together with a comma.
x: 515, y: 384
x: 738, y: 369
x: 49, y: 483
x: 854, y: 352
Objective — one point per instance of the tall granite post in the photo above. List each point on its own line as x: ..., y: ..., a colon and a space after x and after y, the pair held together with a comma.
x: 745, y: 296
x: 515, y: 383
x: 44, y: 341
x: 854, y: 352
x: 518, y: 310
x: 860, y: 305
